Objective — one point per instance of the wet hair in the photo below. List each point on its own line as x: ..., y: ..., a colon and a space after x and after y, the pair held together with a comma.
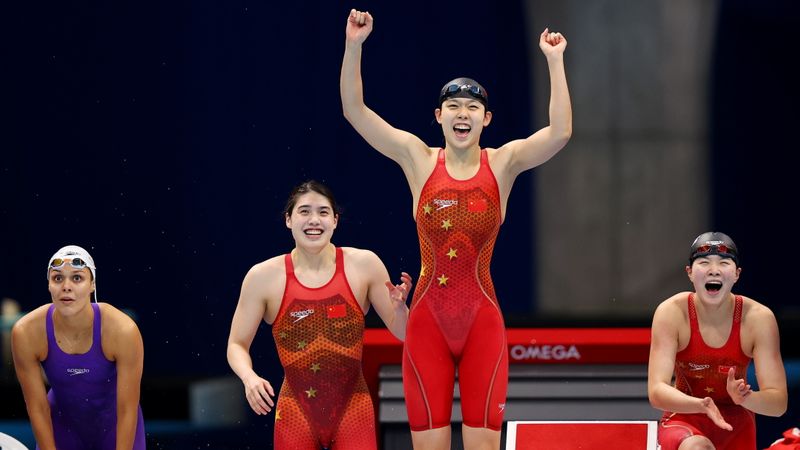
x: 714, y: 243
x: 464, y: 87
x: 305, y: 188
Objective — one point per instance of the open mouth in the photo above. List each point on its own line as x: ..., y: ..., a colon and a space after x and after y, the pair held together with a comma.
x: 312, y: 232
x: 713, y: 287
x: 462, y: 130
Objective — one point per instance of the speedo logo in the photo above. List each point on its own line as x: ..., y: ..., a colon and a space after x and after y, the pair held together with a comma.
x: 693, y: 366
x: 73, y: 372
x: 300, y: 315
x: 442, y: 204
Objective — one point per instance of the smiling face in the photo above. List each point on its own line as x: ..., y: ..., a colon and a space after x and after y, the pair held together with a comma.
x: 312, y: 220
x: 462, y: 120
x: 713, y: 277
x: 70, y: 288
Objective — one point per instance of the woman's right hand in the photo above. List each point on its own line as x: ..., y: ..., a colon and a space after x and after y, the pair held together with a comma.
x: 259, y: 394
x: 711, y: 410
x: 359, y: 26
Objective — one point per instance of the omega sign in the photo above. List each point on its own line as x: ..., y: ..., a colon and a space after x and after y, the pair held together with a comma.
x: 544, y: 352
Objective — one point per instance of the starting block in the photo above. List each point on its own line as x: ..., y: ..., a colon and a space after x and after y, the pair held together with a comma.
x: 574, y: 435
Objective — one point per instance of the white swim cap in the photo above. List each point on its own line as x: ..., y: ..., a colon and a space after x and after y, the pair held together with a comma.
x: 73, y: 253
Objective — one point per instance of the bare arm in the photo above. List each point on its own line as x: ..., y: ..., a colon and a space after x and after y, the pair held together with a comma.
x: 528, y: 153
x: 127, y: 349
x: 398, y: 293
x: 389, y: 300
x: 24, y: 342
x: 250, y: 311
x: 771, y: 399
x: 399, y: 145
x: 663, y: 348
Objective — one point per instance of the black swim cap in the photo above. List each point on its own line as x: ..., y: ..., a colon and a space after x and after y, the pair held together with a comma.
x: 714, y: 243
x: 464, y: 88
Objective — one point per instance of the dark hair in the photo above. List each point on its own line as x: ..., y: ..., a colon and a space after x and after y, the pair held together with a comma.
x: 305, y: 188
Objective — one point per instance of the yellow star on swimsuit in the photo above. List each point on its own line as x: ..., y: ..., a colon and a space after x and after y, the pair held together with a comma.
x: 315, y: 367
x: 709, y: 390
x: 427, y: 209
x: 301, y: 345
x: 422, y: 271
x: 283, y: 334
x: 442, y: 280
x: 311, y: 392
x: 277, y: 415
x: 452, y: 253
x: 447, y: 225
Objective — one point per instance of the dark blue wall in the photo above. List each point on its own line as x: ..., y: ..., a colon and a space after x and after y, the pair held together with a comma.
x: 165, y: 138
x: 755, y: 101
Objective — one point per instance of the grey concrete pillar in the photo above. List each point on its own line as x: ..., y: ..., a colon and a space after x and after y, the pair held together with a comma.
x: 618, y: 207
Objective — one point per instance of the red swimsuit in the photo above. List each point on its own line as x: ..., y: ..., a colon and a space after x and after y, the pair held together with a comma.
x: 455, y: 321
x: 702, y: 371
x: 324, y: 401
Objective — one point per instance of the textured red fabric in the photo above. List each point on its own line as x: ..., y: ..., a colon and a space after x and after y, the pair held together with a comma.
x: 702, y: 371
x: 455, y: 321
x: 324, y: 400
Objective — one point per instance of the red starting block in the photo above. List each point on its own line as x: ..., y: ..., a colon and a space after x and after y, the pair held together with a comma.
x: 568, y: 435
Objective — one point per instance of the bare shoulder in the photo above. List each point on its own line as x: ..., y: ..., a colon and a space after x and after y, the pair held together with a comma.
x: 359, y: 256
x: 265, y: 283
x: 755, y: 313
x: 266, y: 273
x: 422, y: 160
x: 674, y: 307
x: 116, y: 322
x: 32, y: 320
x: 422, y: 152
x: 363, y: 268
x: 30, y: 328
x: 498, y: 156
x: 361, y: 264
x: 269, y: 267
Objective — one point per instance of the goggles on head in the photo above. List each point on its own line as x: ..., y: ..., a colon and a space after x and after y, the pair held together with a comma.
x: 76, y: 263
x: 463, y: 90
x: 713, y: 248
x: 718, y: 248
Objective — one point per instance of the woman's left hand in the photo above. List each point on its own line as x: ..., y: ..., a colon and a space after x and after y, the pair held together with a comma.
x: 738, y: 389
x: 399, y: 292
x: 552, y: 43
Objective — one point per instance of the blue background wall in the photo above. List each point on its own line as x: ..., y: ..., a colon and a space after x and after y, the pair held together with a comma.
x: 166, y: 140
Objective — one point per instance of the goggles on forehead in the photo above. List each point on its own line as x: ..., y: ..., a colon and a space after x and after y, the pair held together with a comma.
x: 718, y: 248
x: 713, y: 248
x: 453, y: 90
x: 76, y: 263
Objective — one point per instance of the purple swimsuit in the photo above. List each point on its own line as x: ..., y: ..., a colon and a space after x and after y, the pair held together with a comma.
x: 83, y: 394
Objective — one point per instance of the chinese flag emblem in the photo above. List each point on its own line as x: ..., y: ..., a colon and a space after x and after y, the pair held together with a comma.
x: 337, y: 311
x: 476, y: 205
x: 724, y: 369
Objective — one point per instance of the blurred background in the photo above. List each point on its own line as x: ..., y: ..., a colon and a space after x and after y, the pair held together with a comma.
x: 164, y: 137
